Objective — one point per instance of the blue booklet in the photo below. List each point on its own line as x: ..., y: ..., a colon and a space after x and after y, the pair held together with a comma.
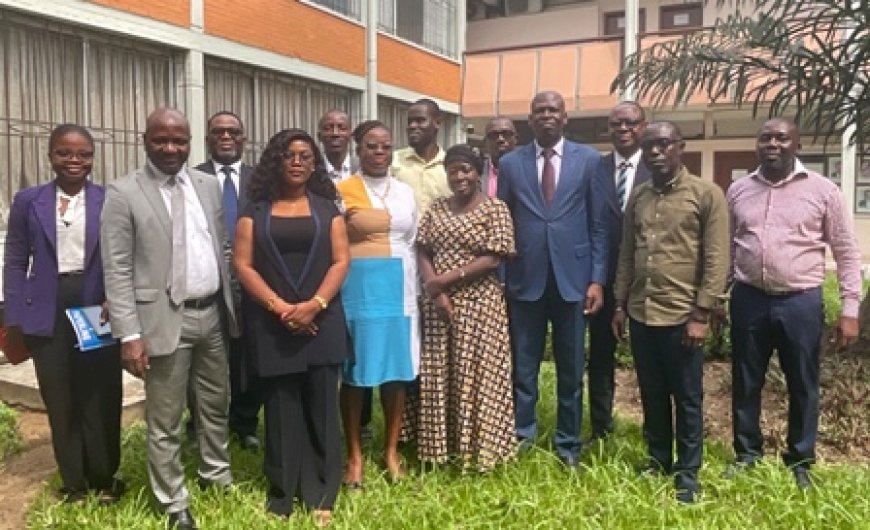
x: 90, y: 332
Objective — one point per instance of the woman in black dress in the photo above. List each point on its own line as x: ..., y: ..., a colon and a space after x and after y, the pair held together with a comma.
x: 291, y: 255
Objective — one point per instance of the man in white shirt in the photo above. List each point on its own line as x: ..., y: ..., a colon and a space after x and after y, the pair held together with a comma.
x: 226, y: 143
x: 334, y: 132
x: 168, y: 286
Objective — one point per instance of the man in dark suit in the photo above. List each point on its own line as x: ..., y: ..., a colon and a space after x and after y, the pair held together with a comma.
x: 226, y: 142
x: 500, y: 138
x: 626, y: 124
x: 334, y: 133
x: 558, y: 198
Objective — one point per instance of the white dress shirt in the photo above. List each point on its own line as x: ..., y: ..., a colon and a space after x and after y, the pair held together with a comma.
x: 556, y: 160
x: 70, y: 232
x: 203, y: 274
x: 236, y: 174
x: 343, y: 172
x: 630, y: 172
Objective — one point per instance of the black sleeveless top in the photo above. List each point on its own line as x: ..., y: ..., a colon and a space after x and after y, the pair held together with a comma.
x: 293, y: 255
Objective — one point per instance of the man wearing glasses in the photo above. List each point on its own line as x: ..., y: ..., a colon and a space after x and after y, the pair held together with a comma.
x: 500, y: 138
x: 626, y: 124
x: 671, y: 273
x: 226, y: 142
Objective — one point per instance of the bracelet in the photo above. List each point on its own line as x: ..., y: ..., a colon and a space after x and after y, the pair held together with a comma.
x: 270, y: 304
x: 461, y: 273
x: 320, y: 300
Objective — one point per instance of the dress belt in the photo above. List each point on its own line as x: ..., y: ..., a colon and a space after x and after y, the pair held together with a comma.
x: 200, y: 303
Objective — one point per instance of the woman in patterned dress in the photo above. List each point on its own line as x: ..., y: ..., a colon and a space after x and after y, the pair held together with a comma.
x: 380, y: 295
x: 466, y: 402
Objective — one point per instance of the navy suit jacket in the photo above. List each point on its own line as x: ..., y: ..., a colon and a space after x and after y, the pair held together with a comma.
x: 30, y: 275
x: 570, y: 235
x: 641, y: 175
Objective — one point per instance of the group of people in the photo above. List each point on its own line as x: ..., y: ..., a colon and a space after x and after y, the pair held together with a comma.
x: 303, y: 283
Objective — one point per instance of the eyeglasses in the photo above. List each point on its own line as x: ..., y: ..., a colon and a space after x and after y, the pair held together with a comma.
x: 628, y: 124
x: 303, y: 157
x: 67, y: 155
x: 234, y: 132
x: 661, y: 144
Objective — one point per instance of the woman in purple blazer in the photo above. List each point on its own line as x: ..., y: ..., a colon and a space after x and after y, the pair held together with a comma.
x: 53, y: 263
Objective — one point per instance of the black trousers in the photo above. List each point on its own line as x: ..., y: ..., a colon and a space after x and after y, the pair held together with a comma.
x: 792, y: 325
x: 669, y: 372
x: 82, y: 395
x: 601, y: 366
x: 303, y: 456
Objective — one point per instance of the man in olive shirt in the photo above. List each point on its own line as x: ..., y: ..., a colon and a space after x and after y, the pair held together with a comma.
x: 421, y: 165
x: 672, y: 267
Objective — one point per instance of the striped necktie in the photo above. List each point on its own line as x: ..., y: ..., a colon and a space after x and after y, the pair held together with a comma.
x: 621, y: 184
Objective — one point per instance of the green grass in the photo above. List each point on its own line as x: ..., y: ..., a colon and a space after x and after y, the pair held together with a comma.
x: 530, y: 493
x: 10, y: 438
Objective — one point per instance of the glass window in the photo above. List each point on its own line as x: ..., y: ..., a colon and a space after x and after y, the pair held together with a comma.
x: 348, y: 8
x: 427, y: 23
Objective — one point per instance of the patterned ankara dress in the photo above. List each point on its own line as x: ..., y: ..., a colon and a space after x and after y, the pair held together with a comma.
x: 380, y: 292
x: 466, y: 401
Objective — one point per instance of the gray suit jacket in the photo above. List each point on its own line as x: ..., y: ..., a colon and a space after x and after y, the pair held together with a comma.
x: 136, y: 244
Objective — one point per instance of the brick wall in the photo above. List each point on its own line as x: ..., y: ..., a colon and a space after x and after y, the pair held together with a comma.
x: 409, y: 67
x: 172, y: 11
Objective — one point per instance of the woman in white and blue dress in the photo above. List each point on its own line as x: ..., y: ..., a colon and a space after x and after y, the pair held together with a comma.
x: 380, y: 296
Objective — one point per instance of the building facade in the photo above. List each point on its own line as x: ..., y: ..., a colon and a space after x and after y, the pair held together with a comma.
x: 515, y: 48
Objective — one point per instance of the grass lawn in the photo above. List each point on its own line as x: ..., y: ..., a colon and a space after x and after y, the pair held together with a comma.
x: 532, y: 492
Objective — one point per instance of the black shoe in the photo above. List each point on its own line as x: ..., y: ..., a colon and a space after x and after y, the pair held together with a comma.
x: 802, y: 477
x: 112, y: 494
x: 686, y: 496
x: 570, y: 462
x: 249, y: 442
x: 182, y: 520
x: 72, y: 496
x: 737, y: 467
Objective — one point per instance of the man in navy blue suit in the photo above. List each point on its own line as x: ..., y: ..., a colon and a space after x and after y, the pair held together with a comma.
x: 559, y: 199
x: 626, y: 124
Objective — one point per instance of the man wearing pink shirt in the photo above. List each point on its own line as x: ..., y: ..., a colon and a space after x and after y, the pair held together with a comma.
x: 782, y: 218
x: 500, y: 139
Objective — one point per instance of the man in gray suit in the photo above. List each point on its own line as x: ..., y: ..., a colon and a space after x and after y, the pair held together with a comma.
x: 334, y: 132
x: 168, y: 287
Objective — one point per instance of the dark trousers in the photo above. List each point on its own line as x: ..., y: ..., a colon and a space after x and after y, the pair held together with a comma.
x: 602, y: 346
x: 82, y: 395
x: 669, y: 372
x: 303, y: 456
x: 793, y: 325
x: 528, y: 332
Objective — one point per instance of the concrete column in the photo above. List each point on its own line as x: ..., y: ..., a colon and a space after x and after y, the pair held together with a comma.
x: 632, y: 27
x: 459, y: 132
x: 194, y: 98
x: 370, y: 97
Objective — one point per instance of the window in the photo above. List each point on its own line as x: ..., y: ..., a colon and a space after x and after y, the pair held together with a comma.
x: 682, y: 16
x: 428, y: 23
x: 348, y: 8
x: 614, y: 22
x: 268, y: 101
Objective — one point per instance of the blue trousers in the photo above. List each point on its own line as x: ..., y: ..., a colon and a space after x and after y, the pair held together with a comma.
x: 792, y: 324
x: 667, y: 373
x: 529, y: 331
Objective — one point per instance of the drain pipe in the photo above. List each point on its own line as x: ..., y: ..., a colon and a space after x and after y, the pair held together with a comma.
x: 370, y: 103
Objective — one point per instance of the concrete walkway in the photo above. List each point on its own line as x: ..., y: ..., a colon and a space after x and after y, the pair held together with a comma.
x: 18, y: 386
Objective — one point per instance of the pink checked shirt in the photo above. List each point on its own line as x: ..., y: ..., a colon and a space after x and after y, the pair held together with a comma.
x: 779, y: 233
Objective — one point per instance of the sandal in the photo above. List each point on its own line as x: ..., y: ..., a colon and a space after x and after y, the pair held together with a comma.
x: 322, y: 518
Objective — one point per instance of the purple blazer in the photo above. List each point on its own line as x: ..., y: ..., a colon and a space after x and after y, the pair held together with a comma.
x: 30, y: 277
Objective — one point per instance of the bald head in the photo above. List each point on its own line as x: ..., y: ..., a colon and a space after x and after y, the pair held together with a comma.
x: 547, y: 117
x: 167, y: 140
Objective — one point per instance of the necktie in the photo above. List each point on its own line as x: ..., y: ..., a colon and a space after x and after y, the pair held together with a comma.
x: 548, y: 177
x: 231, y: 202
x: 178, y: 287
x: 621, y: 184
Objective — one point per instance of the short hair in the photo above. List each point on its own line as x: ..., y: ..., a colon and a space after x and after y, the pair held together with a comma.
x: 669, y: 123
x: 632, y: 103
x: 67, y: 128
x: 363, y: 129
x: 464, y: 153
x: 332, y: 111
x: 431, y: 106
x: 225, y: 113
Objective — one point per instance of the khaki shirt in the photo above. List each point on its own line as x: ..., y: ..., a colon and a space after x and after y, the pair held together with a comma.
x: 427, y: 179
x: 674, y: 252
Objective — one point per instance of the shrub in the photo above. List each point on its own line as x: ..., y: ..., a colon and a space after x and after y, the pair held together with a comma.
x: 10, y: 438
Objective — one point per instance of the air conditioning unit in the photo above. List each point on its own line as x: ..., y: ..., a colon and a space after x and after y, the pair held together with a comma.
x: 521, y: 7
